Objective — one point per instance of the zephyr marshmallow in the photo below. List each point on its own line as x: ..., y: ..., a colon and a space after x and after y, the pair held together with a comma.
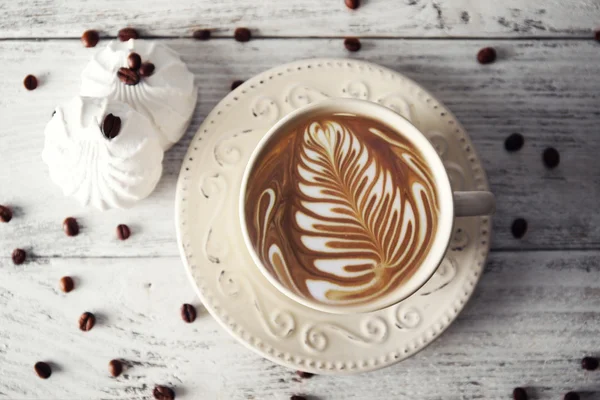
x: 114, y: 168
x: 167, y: 97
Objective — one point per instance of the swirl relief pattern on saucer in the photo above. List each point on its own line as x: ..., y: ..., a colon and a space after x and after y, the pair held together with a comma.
x: 348, y: 215
x: 230, y: 285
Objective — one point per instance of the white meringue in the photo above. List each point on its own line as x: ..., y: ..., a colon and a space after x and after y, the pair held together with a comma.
x: 167, y: 97
x: 104, y: 173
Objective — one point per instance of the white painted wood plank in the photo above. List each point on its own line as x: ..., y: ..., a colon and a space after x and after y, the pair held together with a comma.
x: 302, y: 18
x: 532, y: 318
x: 547, y: 90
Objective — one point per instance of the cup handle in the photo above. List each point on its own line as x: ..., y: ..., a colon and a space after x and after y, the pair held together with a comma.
x: 471, y: 204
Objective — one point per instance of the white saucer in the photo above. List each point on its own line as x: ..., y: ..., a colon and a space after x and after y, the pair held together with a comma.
x: 221, y: 268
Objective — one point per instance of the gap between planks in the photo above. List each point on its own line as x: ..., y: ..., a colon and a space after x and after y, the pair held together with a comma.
x: 258, y: 37
x: 515, y: 250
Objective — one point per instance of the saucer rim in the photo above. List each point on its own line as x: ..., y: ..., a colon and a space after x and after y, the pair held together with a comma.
x: 425, y: 337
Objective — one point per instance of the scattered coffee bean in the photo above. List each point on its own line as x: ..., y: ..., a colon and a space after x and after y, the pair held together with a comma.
x: 19, y: 256
x: 305, y: 375
x: 53, y: 113
x: 551, y: 158
x: 520, y: 394
x: 147, y: 69
x: 242, y: 34
x: 128, y: 77
x: 188, y: 313
x: 123, y: 232
x: 70, y: 226
x: 134, y: 61
x: 90, y: 38
x: 572, y: 396
x: 235, y: 84
x: 87, y: 321
x: 201, y: 34
x: 352, y: 4
x: 66, y: 284
x: 127, y: 33
x: 486, y: 55
x: 296, y: 397
x: 514, y: 142
x: 352, y: 44
x: 5, y: 214
x: 42, y: 370
x: 111, y: 126
x: 115, y: 367
x: 589, y: 363
x: 163, y: 393
x: 30, y: 82
x: 519, y: 228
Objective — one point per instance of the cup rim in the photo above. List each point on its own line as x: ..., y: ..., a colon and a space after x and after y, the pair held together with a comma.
x: 445, y: 198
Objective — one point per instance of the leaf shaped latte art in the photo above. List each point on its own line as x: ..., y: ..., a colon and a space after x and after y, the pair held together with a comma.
x: 366, y: 220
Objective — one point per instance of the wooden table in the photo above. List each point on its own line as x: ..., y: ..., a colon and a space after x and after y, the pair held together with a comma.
x: 535, y: 313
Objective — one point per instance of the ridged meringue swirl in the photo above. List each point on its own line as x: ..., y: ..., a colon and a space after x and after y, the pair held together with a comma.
x: 168, y: 97
x: 103, y: 173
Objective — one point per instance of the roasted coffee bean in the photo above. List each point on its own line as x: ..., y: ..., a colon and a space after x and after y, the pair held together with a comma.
x: 514, y: 142
x: 163, y: 393
x: 90, y: 38
x: 235, y: 84
x: 147, y: 69
x: 87, y: 321
x: 128, y: 33
x: 30, y: 82
x: 115, y: 367
x: 19, y: 256
x: 5, y: 214
x: 111, y: 126
x: 201, y: 34
x: 352, y: 4
x: 304, y: 375
x: 188, y: 313
x: 486, y: 55
x: 128, y: 76
x: 134, y: 61
x: 572, y: 396
x: 352, y: 44
x: 551, y: 158
x: 42, y: 370
x: 520, y: 394
x: 53, y: 113
x: 589, y: 363
x: 123, y: 232
x: 70, y: 226
x: 519, y: 228
x: 66, y: 284
x: 242, y: 34
x: 296, y: 397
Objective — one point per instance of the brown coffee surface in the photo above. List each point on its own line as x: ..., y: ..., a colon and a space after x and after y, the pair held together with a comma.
x: 341, y: 208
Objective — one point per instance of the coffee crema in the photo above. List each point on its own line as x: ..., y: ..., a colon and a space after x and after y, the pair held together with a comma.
x: 340, y: 208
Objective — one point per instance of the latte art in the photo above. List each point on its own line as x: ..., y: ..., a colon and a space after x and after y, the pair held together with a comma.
x: 341, y: 208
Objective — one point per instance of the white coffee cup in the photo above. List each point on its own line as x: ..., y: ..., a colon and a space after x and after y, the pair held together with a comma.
x: 451, y: 204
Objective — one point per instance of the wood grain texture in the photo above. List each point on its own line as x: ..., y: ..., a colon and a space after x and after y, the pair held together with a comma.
x: 546, y: 90
x: 303, y: 18
x: 532, y: 317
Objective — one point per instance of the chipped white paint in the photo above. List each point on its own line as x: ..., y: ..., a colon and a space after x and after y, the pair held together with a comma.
x: 545, y: 90
x: 533, y: 316
x: 285, y: 18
